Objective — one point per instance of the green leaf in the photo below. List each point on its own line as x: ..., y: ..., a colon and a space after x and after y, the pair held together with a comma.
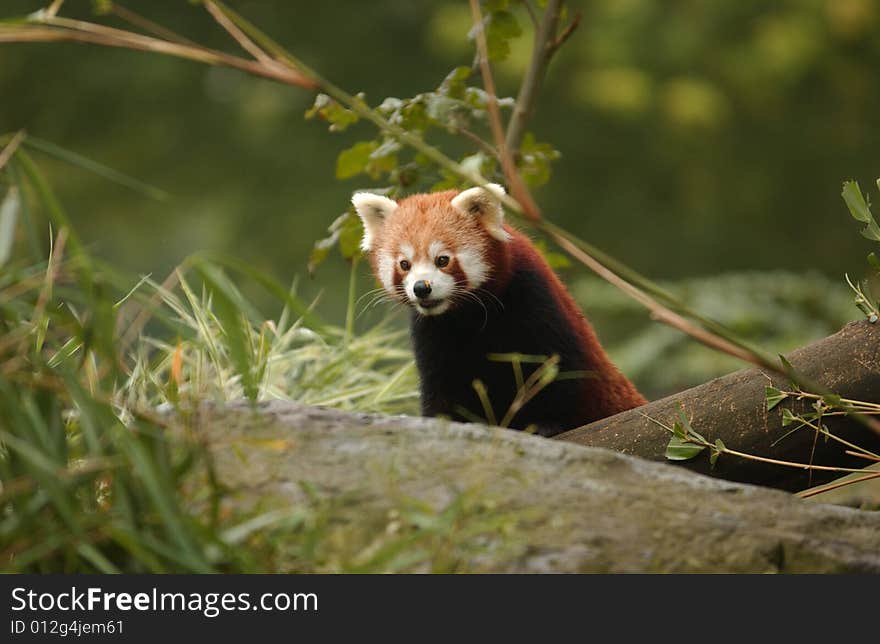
x: 8, y: 218
x: 773, y: 396
x: 479, y: 163
x: 440, y: 108
x: 229, y: 306
x: 535, y: 159
x: 339, y: 117
x: 350, y: 234
x: 354, y: 160
x: 501, y: 27
x: 832, y: 400
x: 788, y: 417
x: 388, y: 148
x: 346, y: 231
x: 874, y: 261
x: 453, y: 85
x: 717, y: 451
x: 786, y: 365
x: 686, y: 425
x: 679, y: 450
x: 860, y: 210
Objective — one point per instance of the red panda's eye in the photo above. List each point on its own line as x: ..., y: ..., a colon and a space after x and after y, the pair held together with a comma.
x: 405, y: 265
x: 442, y: 261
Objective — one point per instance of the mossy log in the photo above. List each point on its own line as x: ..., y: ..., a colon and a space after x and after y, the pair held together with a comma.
x: 733, y: 409
x: 544, y: 505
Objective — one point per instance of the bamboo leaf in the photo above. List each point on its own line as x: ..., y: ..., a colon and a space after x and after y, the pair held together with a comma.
x: 680, y: 450
x: 773, y: 396
x: 105, y: 172
x: 9, y: 210
x: 229, y: 306
x: 859, y: 209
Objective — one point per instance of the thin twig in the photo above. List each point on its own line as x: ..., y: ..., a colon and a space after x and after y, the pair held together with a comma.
x: 543, y: 47
x: 54, y: 7
x: 689, y: 438
x: 238, y: 35
x: 530, y: 10
x: 60, y: 30
x: 517, y: 186
x: 568, y: 31
x: 11, y: 147
x: 149, y: 26
x: 806, y: 494
x: 658, y: 311
x: 485, y: 146
x: 867, y: 456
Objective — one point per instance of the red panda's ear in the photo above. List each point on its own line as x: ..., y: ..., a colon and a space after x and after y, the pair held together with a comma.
x: 484, y: 204
x: 373, y: 210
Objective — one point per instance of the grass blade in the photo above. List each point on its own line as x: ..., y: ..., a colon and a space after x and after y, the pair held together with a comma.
x: 79, y: 161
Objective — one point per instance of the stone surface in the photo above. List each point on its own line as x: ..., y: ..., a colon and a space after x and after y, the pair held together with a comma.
x: 579, y: 509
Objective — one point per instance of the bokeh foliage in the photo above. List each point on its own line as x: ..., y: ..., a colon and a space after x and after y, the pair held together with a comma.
x: 696, y: 137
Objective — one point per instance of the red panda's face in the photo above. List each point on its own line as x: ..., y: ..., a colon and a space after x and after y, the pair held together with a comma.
x: 432, y: 251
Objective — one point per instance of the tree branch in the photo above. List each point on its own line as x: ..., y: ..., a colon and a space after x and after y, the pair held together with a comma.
x: 545, y: 45
x: 734, y: 409
x: 517, y: 186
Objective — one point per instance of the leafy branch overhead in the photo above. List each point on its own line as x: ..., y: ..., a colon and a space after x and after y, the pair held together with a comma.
x: 860, y: 208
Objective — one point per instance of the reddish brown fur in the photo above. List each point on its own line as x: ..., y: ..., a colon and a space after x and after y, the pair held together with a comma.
x: 424, y: 218
x: 610, y: 392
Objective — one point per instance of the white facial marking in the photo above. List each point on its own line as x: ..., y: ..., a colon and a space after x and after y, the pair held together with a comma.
x: 442, y: 286
x: 407, y: 251
x: 475, y: 269
x: 436, y: 249
x: 385, y: 268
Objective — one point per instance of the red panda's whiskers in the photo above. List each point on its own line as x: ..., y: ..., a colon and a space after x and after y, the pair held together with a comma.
x: 381, y: 297
x: 491, y: 295
x: 471, y: 296
x: 370, y: 293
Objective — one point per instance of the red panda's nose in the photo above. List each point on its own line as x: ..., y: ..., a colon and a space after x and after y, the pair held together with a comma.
x: 422, y: 289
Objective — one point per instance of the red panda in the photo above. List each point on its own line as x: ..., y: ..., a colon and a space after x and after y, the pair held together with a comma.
x: 478, y: 287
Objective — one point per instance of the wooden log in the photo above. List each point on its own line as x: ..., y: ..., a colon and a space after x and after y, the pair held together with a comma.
x: 733, y: 409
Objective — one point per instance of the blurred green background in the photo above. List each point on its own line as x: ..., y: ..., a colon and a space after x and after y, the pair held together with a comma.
x: 703, y: 142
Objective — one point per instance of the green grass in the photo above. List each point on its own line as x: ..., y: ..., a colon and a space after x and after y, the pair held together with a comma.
x: 101, y: 469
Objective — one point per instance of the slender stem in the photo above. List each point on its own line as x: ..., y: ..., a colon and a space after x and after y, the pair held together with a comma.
x: 774, y: 461
x: 485, y: 146
x: 752, y: 457
x: 530, y: 10
x: 246, y: 43
x: 658, y: 312
x: 352, y: 297
x: 54, y: 7
x: 806, y: 494
x: 11, y: 147
x: 867, y: 457
x: 542, y: 51
x: 820, y: 429
x: 855, y: 403
x: 568, y: 31
x: 149, y: 26
x: 86, y: 32
x: 517, y: 186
